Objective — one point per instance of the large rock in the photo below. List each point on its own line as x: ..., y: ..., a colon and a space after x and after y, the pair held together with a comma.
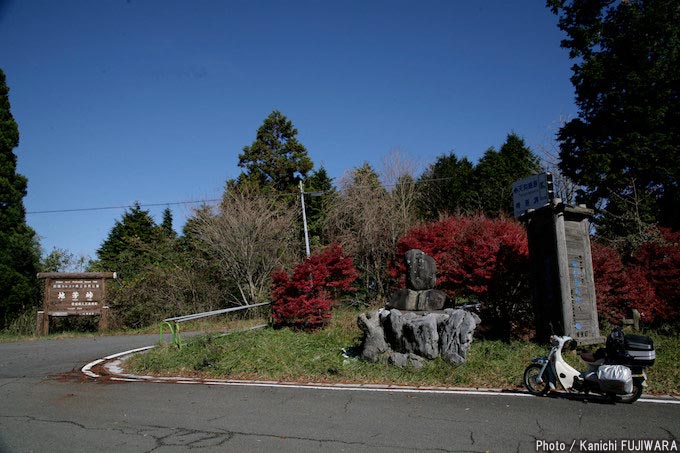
x: 421, y: 270
x: 393, y: 326
x: 406, y: 360
x: 421, y: 336
x: 373, y: 345
x: 456, y: 335
x: 390, y: 332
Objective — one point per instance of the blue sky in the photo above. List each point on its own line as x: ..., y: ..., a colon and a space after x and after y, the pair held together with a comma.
x: 152, y: 101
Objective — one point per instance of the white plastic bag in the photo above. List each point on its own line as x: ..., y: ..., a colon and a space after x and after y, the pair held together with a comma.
x: 615, y: 379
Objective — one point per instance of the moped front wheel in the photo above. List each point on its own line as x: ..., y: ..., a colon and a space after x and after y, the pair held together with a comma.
x: 536, y: 384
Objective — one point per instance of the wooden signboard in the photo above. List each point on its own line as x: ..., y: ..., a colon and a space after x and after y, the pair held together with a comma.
x: 74, y: 294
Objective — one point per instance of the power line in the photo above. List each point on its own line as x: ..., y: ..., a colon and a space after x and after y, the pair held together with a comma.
x: 105, y: 208
x: 213, y: 200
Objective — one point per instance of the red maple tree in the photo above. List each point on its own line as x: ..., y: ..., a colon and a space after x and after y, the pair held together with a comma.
x: 648, y: 280
x: 479, y: 258
x: 612, y: 283
x: 303, y: 300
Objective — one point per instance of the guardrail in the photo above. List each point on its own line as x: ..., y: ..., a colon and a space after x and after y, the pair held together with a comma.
x: 173, y: 323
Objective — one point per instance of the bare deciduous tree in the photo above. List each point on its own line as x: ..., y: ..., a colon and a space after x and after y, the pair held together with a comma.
x: 368, y: 220
x: 563, y: 187
x: 250, y: 236
x: 398, y: 175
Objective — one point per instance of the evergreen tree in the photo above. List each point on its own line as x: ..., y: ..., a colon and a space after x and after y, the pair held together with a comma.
x: 497, y: 170
x: 320, y: 190
x: 446, y: 187
x: 366, y: 178
x: 18, y: 243
x: 126, y: 248
x: 625, y: 142
x: 166, y: 225
x: 276, y: 159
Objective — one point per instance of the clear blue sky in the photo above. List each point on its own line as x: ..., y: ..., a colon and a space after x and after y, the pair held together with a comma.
x: 152, y: 101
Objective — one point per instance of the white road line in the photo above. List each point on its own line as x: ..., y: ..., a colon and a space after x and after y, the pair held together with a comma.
x: 87, y: 370
x: 131, y: 351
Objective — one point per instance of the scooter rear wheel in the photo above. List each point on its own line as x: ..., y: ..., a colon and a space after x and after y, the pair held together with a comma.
x: 531, y: 376
x: 630, y: 397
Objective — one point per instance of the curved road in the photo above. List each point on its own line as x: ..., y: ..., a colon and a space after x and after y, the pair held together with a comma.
x: 46, y: 405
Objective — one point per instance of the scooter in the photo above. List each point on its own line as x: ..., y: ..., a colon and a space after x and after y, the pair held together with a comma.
x: 619, y: 378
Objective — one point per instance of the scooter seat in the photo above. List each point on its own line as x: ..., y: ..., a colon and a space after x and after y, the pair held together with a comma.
x: 588, y: 357
x: 591, y: 358
x: 596, y: 358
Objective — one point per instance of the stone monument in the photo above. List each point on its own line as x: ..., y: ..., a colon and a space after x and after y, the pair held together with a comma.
x: 419, y: 322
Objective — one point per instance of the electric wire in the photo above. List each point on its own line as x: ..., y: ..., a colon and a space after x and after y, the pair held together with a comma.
x: 215, y: 200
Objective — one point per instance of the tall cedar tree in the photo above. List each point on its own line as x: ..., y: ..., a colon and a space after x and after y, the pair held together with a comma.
x: 125, y: 249
x: 445, y: 187
x: 166, y: 224
x: 275, y: 159
x: 365, y: 177
x: 18, y: 243
x: 627, y: 134
x: 321, y: 192
x: 497, y: 170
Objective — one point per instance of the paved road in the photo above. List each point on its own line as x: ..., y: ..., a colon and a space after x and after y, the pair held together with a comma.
x: 42, y: 409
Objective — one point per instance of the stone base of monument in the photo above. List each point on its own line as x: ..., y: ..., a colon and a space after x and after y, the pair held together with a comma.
x: 409, y: 338
x: 425, y: 300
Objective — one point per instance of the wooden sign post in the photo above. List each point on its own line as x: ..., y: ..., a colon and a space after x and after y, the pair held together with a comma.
x: 561, y: 261
x: 74, y: 294
x: 562, y: 272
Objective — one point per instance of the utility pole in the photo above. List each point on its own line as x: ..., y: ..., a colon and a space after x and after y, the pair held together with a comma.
x: 304, y: 218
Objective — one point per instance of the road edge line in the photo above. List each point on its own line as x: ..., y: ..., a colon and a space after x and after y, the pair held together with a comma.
x: 87, y: 370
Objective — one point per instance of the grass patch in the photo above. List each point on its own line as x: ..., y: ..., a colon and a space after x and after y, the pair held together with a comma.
x: 664, y: 376
x: 285, y: 355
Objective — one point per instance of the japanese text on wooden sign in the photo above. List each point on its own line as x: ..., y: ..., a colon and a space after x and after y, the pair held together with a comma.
x: 81, y: 297
x: 82, y: 294
x: 531, y: 193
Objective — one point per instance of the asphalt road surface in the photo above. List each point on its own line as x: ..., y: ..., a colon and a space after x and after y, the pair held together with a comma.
x: 46, y: 406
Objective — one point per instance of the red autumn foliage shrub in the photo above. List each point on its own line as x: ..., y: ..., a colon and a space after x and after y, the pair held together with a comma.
x: 658, y: 262
x: 648, y: 281
x: 303, y: 300
x: 612, y: 283
x: 481, y: 258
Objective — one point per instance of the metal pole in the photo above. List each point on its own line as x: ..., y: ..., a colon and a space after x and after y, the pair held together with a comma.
x: 304, y: 218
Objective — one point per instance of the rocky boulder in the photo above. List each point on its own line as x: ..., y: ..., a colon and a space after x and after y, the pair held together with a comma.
x: 396, y: 337
x: 421, y: 270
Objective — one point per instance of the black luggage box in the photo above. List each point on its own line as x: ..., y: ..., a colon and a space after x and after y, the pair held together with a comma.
x: 640, y: 350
